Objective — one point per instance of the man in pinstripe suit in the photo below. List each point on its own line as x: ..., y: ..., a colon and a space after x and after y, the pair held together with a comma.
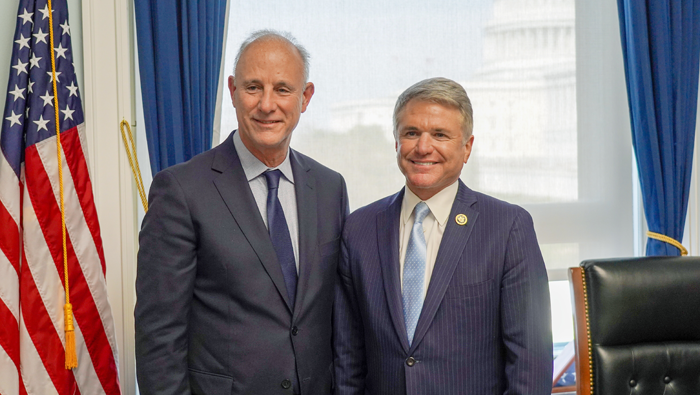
x: 442, y: 290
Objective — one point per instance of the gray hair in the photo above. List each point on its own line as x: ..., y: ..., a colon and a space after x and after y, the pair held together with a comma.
x: 269, y: 34
x: 440, y: 91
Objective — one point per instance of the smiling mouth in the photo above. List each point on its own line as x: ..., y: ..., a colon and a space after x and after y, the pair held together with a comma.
x: 266, y: 122
x: 423, y: 163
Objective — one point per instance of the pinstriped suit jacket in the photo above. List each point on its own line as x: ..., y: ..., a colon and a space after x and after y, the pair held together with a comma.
x: 485, y: 325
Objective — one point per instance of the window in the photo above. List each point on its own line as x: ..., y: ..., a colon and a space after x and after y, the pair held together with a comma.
x: 546, y: 82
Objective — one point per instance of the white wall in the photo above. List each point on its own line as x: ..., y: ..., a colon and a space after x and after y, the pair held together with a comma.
x: 8, y: 19
x: 108, y: 98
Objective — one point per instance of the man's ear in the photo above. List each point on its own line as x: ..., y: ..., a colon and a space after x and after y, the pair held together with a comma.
x: 232, y: 88
x: 468, y: 148
x: 308, y: 92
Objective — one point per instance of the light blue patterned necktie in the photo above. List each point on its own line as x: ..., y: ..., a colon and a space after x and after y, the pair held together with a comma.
x: 414, y: 272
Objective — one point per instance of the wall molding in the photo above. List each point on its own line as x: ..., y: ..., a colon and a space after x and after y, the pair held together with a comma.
x: 108, y: 98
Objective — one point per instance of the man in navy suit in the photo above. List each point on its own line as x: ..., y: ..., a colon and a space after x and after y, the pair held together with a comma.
x: 441, y: 290
x: 240, y: 246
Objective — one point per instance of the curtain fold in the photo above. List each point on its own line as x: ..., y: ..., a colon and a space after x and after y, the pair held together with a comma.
x: 180, y: 44
x: 661, y: 47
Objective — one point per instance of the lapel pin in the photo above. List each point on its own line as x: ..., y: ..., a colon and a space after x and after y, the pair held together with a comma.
x: 461, y: 219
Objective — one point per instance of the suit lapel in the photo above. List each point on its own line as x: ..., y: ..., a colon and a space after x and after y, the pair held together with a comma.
x: 305, y: 189
x: 388, y: 240
x: 232, y: 185
x: 453, y: 243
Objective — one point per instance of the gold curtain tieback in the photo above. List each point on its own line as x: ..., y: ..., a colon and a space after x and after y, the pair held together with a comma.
x: 130, y: 148
x: 669, y: 240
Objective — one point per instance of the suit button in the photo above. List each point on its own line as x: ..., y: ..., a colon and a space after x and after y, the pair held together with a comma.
x: 667, y: 379
x: 286, y: 384
x: 410, y: 361
x: 295, y: 331
x: 633, y: 383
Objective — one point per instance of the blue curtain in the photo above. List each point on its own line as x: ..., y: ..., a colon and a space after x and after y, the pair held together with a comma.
x: 180, y: 48
x: 661, y: 47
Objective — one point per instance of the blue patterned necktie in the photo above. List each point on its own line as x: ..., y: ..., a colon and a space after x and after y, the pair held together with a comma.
x: 414, y: 272
x: 279, y: 234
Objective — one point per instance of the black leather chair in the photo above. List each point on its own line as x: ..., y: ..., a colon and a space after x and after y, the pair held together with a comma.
x: 637, y: 326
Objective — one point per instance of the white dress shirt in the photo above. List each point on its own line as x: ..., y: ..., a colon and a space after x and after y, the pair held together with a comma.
x: 434, y: 225
x: 254, y: 170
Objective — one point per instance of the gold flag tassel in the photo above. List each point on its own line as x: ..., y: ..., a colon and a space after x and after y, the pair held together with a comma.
x: 71, y: 356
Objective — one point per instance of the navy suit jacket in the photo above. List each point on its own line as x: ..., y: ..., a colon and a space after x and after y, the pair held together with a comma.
x: 212, y: 314
x: 485, y: 325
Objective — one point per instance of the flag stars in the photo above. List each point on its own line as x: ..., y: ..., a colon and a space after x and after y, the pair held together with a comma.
x: 48, y: 99
x: 41, y: 123
x: 58, y: 73
x: 31, y: 86
x: 45, y: 12
x: 26, y: 17
x: 65, y: 27
x: 73, y: 89
x: 14, y: 119
x: 60, y: 51
x: 67, y: 113
x: 34, y: 61
x: 20, y: 67
x: 22, y: 41
x: 17, y: 93
x: 40, y: 36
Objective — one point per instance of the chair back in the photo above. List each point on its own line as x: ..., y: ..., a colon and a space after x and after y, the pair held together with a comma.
x: 637, y: 326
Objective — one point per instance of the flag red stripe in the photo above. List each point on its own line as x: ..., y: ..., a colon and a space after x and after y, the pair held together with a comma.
x: 22, y: 389
x: 9, y: 238
x: 84, y: 308
x: 73, y: 150
x: 9, y: 333
x: 41, y: 330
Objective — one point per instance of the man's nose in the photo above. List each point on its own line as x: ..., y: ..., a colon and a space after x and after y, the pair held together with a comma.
x: 424, y: 145
x: 267, y: 102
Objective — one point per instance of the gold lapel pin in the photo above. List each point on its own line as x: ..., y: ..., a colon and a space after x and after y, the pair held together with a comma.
x: 461, y: 219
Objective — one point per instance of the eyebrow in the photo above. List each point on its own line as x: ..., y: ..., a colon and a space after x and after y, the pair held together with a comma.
x: 286, y: 85
x: 276, y: 84
x: 415, y: 128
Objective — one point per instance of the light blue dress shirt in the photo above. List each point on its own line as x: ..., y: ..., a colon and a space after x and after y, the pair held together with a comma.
x: 254, y: 170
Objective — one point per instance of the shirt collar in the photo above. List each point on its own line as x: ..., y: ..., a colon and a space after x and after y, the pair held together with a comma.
x: 440, y: 205
x: 253, y: 167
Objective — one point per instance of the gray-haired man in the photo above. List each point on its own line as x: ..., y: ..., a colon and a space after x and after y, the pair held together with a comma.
x: 442, y: 289
x: 239, y: 248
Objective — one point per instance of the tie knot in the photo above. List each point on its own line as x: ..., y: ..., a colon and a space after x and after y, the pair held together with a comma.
x: 273, y: 178
x: 421, y: 211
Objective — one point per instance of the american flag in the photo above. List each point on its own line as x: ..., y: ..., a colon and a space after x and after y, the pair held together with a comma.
x: 32, y: 291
